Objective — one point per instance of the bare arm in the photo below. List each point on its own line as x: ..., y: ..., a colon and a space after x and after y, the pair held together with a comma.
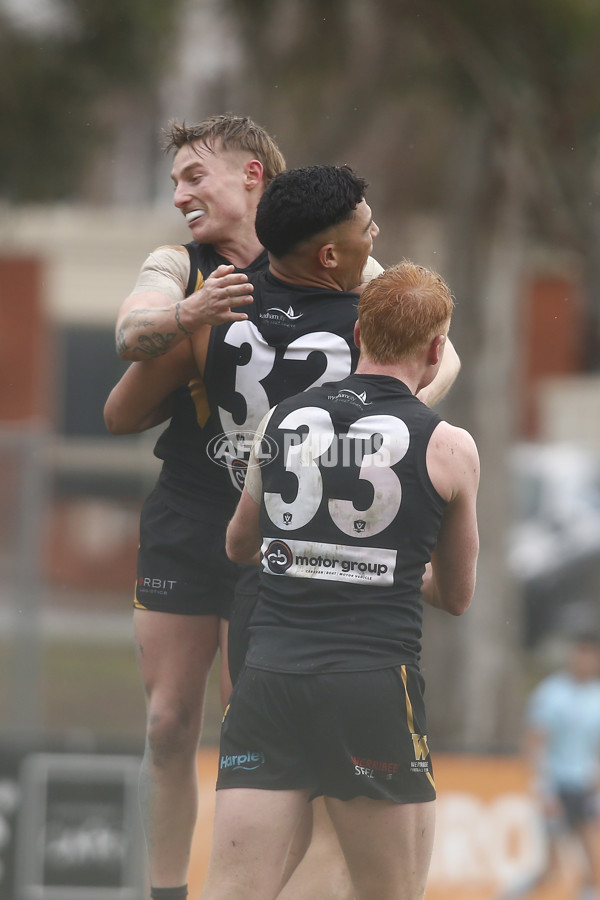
x: 371, y: 270
x: 243, y: 539
x: 157, y: 315
x: 445, y: 378
x: 142, y: 397
x: 450, y: 365
x: 453, y: 465
x: 243, y: 534
x: 535, y: 749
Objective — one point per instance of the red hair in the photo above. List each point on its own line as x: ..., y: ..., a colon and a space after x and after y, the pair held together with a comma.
x: 401, y: 311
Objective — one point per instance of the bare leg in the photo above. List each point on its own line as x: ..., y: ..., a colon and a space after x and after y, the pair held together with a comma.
x: 321, y: 873
x: 253, y: 831
x: 387, y: 846
x: 300, y: 843
x: 175, y: 653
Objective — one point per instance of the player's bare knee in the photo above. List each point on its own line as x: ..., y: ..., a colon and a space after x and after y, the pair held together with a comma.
x: 171, y: 734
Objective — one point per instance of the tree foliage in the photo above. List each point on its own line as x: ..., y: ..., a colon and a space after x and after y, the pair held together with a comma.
x: 55, y: 90
x: 531, y: 66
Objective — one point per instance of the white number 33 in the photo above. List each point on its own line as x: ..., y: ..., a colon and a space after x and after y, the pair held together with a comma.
x: 302, y: 460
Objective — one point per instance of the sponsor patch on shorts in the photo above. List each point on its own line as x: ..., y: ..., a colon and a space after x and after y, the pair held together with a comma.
x: 374, y: 768
x: 248, y: 761
x: 162, y: 586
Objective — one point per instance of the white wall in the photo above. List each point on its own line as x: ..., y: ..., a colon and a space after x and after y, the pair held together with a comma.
x: 570, y: 410
x: 91, y: 256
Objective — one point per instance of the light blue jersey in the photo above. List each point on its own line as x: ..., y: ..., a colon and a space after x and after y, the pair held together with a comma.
x: 568, y: 712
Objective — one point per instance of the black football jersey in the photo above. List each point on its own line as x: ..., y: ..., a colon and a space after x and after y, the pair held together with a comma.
x: 295, y: 338
x: 349, y: 518
x: 183, y: 443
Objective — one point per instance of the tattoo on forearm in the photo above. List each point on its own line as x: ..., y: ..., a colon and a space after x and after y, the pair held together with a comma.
x: 180, y: 324
x: 156, y: 345
x: 122, y: 344
x: 151, y: 345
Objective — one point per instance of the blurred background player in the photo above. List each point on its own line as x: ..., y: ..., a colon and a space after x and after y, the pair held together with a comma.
x: 563, y: 749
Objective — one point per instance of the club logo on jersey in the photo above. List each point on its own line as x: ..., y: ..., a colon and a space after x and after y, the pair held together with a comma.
x: 277, y: 557
x: 348, y: 396
x: 360, y: 525
x: 237, y: 471
x: 287, y: 518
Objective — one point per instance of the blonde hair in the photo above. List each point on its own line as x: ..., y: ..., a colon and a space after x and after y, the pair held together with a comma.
x: 401, y: 310
x: 234, y: 133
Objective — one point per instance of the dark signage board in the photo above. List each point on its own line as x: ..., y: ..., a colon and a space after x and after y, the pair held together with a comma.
x: 10, y: 799
x: 79, y: 834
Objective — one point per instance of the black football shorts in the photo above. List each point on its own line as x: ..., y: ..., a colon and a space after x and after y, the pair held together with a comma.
x: 182, y: 564
x: 339, y: 734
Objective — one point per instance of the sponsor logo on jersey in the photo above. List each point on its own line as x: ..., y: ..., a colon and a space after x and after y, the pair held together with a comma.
x: 286, y: 313
x: 277, y: 557
x: 248, y: 761
x: 348, y: 396
x: 328, y: 562
x: 285, y: 318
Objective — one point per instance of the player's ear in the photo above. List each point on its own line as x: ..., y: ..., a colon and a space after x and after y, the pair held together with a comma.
x: 253, y: 173
x: 357, y: 335
x: 436, y: 349
x: 327, y: 256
